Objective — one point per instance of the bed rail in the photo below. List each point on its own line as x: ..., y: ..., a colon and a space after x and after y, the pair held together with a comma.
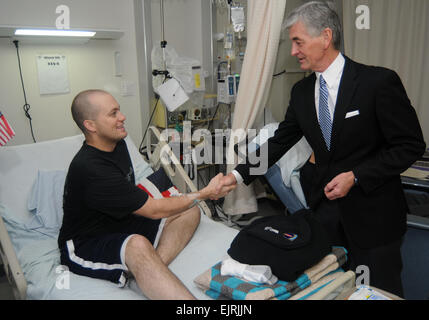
x: 164, y: 155
x: 11, y: 264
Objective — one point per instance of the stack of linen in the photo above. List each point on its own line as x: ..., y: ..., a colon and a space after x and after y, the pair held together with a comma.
x: 245, y: 282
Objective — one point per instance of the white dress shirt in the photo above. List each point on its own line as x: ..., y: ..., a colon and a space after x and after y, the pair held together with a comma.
x: 332, y: 76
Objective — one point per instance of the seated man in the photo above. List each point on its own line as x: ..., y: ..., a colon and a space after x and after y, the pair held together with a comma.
x: 111, y: 228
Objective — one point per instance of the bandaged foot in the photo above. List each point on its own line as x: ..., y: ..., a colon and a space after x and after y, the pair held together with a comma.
x: 254, y: 273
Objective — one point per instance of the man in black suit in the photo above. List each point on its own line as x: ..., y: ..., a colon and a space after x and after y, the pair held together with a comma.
x: 364, y: 133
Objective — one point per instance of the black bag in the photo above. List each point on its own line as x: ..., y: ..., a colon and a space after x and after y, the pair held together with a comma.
x: 288, y: 244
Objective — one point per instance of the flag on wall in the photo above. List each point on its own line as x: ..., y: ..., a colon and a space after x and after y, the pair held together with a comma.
x: 6, y: 131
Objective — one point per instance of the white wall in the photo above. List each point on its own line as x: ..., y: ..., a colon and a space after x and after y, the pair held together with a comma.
x: 399, y: 41
x: 89, y: 66
x: 182, y: 26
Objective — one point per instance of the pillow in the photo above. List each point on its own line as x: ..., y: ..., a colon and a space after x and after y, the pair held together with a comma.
x: 46, y: 196
x: 142, y: 170
x: 46, y: 200
x: 158, y: 185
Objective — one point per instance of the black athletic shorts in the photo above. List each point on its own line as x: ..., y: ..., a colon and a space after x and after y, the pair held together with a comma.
x: 103, y: 257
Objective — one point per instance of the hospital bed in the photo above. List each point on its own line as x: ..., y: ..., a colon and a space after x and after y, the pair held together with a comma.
x: 29, y: 240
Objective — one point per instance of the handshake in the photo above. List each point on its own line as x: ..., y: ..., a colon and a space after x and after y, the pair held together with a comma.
x: 219, y: 186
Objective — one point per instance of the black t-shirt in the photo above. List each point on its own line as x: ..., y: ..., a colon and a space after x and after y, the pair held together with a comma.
x: 100, y: 194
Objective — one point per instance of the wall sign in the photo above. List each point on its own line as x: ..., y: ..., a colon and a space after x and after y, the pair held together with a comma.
x: 53, y: 75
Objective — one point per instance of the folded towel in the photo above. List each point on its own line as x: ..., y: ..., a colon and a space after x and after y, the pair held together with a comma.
x: 256, y: 273
x: 316, y: 286
x: 228, y: 287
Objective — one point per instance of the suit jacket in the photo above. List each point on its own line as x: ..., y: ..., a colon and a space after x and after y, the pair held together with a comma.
x: 379, y: 139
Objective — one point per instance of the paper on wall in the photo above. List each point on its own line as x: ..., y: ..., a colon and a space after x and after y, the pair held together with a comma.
x: 53, y: 75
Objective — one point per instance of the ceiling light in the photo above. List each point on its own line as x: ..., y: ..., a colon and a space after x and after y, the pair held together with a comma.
x: 54, y: 32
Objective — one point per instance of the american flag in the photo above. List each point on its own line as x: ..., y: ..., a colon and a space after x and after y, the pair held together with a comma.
x: 6, y: 131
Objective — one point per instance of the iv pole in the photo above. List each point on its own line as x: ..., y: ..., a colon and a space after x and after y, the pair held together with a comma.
x: 163, y: 72
x: 163, y: 45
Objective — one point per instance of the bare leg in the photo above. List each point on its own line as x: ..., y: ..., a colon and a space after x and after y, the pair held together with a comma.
x: 177, y: 232
x: 153, y: 277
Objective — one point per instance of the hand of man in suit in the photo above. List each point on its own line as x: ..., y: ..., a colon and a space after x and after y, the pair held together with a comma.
x: 340, y: 186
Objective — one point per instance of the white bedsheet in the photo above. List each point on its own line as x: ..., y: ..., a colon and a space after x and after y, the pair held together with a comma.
x: 37, y: 249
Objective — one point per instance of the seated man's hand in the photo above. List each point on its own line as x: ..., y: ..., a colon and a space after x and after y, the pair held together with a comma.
x: 227, y: 181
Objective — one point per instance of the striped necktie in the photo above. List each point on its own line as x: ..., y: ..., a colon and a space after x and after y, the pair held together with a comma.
x: 324, y: 114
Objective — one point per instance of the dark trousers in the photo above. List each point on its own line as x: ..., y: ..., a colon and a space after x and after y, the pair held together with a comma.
x: 384, y: 262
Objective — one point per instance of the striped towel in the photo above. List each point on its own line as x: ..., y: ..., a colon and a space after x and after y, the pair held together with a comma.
x: 313, y: 279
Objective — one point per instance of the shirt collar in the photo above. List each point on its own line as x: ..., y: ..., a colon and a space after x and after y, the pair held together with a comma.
x: 334, y: 71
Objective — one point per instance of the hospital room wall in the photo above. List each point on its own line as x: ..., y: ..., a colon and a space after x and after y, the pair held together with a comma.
x: 90, y: 65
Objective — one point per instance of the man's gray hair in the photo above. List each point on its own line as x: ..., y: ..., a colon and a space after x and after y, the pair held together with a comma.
x: 316, y: 16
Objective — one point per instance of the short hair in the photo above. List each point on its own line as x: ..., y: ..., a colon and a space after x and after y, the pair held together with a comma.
x: 83, y: 109
x: 316, y: 16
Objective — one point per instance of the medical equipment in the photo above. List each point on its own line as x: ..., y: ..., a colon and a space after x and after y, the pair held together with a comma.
x: 228, y: 89
x: 229, y: 43
x: 228, y: 70
x: 195, y: 114
x: 237, y: 18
